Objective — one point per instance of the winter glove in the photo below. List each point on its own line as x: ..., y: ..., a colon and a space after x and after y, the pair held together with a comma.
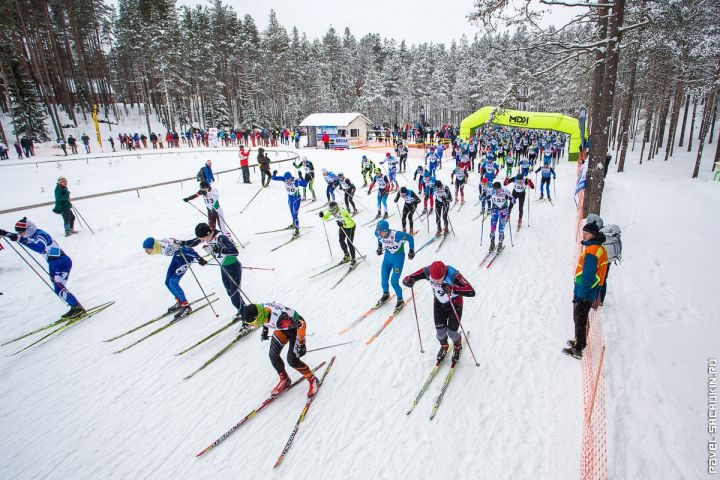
x: 10, y: 235
x: 411, y: 254
x: 300, y: 349
x: 408, y: 282
x: 186, y: 199
x: 211, y: 249
x: 264, y: 334
x: 202, y: 261
x: 179, y: 243
x: 369, y: 192
x: 321, y: 214
x: 339, y: 223
x: 379, y: 250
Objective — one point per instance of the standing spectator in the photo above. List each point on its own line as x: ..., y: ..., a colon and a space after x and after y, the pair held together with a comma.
x: 61, y: 142
x: 143, y: 139
x: 112, y: 142
x: 264, y: 162
x: 86, y: 142
x: 244, y: 163
x: 188, y: 138
x: 25, y: 144
x: 18, y: 149
x: 73, y: 144
x: 136, y: 140
x: 63, y: 206
x: 32, y: 146
x: 176, y: 139
x: 153, y: 140
x: 589, y: 278
x: 326, y: 140
x: 168, y: 139
x: 207, y: 172
x: 3, y: 152
x: 297, y: 139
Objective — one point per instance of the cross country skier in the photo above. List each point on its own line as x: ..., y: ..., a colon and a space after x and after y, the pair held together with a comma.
x: 402, y: 151
x: 383, y: 191
x: 501, y: 203
x: 520, y: 184
x: 349, y: 189
x: 443, y: 197
x: 308, y: 170
x: 428, y: 188
x: 289, y: 327
x: 524, y: 165
x: 346, y: 232
x: 392, y: 162
x: 489, y: 169
x: 545, y: 172
x: 448, y: 285
x: 293, y: 193
x: 59, y: 264
x: 460, y: 176
x: 332, y: 183
x: 182, y: 257
x: 431, y: 160
x: 391, y: 241
x: 225, y: 253
x: 211, y: 197
x: 367, y: 168
x: 418, y: 176
x: 411, y: 203
x: 484, y: 198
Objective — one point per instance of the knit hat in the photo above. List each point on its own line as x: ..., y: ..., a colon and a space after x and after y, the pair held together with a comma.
x: 149, y: 242
x: 437, y: 270
x: 21, y: 225
x: 591, y: 228
x: 383, y: 226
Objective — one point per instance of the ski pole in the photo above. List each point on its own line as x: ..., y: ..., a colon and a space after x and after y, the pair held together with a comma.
x: 36, y: 272
x: 327, y: 238
x: 450, y: 223
x: 83, y: 219
x: 417, y: 322
x: 259, y: 268
x: 230, y: 278
x: 467, y: 340
x: 198, y: 282
x: 222, y: 220
x: 329, y: 346
x: 554, y: 191
x: 482, y: 230
x: 509, y: 224
x: 253, y: 198
x: 364, y: 258
x: 529, y: 202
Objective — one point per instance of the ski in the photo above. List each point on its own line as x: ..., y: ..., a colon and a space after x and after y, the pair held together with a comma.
x: 166, y: 326
x: 292, y: 239
x: 365, y: 315
x: 252, y: 414
x: 216, y: 332
x: 53, y: 324
x: 425, y: 386
x: 441, y: 242
x: 348, y: 272
x: 280, y: 230
x: 89, y: 313
x: 461, y: 205
x: 486, y: 257
x: 227, y: 347
x: 497, y: 254
x: 439, y: 398
x: 385, y: 324
x: 332, y: 267
x: 301, y: 418
x: 432, y: 239
x: 160, y: 317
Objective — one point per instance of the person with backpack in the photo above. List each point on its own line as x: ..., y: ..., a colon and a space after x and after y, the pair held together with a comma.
x: 589, y: 278
x: 63, y: 206
x: 206, y: 173
x: 264, y: 162
x: 613, y: 247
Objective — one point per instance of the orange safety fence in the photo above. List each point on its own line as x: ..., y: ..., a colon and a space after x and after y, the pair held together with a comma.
x: 593, y: 451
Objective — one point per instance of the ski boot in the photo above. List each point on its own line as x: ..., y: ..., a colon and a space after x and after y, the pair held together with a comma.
x: 549, y: 199
x: 184, y: 311
x: 296, y: 233
x: 175, y: 307
x: 353, y: 262
x: 74, y: 312
x: 399, y: 305
x: 430, y: 211
x: 446, y: 232
x: 404, y: 230
x: 492, y: 245
x: 313, y: 386
x: 385, y: 215
x: 424, y: 211
x: 282, y: 385
x: 304, y: 197
x: 68, y: 233
x: 541, y: 197
x: 442, y: 352
x: 571, y: 343
x: 519, y: 222
x: 439, y: 232
x: 573, y: 352
x: 345, y: 259
x: 379, y: 214
x: 500, y: 245
x: 383, y: 299
x: 355, y: 211
x: 457, y: 349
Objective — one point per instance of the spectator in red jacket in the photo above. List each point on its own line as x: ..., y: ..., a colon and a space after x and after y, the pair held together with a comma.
x: 326, y: 140
x: 244, y: 163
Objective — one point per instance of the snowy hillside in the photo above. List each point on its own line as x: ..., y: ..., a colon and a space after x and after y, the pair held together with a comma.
x: 71, y: 409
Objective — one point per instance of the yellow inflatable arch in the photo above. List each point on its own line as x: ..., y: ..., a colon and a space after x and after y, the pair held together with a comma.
x: 521, y: 119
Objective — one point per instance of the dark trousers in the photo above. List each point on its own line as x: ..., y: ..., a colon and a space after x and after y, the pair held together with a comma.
x: 265, y: 174
x: 68, y: 220
x: 581, y: 310
x: 246, y: 174
x: 446, y: 325
x: 231, y: 276
x: 346, y: 236
x: 279, y: 339
x: 408, y: 212
x: 349, y: 199
x: 520, y: 196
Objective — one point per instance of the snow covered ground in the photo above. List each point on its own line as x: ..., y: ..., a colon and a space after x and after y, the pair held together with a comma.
x: 69, y: 408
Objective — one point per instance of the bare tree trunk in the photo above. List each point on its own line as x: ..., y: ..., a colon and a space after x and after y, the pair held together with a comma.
x: 636, y: 122
x: 662, y: 121
x: 626, y: 109
x: 692, y: 124
x: 712, y: 125
x: 707, y: 113
x: 674, y: 117
x: 684, y: 122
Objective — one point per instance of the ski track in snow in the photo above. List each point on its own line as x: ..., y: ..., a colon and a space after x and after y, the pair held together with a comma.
x: 71, y: 409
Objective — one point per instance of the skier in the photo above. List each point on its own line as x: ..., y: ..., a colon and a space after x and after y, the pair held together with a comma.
x: 443, y: 197
x: 367, y: 167
x: 59, y: 264
x: 223, y: 250
x: 309, y: 173
x: 332, y: 183
x: 346, y: 233
x: 289, y: 327
x: 520, y: 184
x: 460, y: 178
x: 403, y: 153
x: 411, y: 203
x: 211, y: 197
x: 293, y: 193
x: 392, y: 162
x: 484, y: 198
x: 428, y: 187
x: 391, y: 241
x: 431, y: 160
x: 501, y: 202
x: 545, y: 172
x: 489, y: 169
x: 182, y: 257
x: 448, y: 285
x: 349, y: 189
x: 524, y: 165
x: 383, y: 191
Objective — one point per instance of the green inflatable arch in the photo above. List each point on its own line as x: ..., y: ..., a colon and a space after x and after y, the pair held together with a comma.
x: 522, y: 119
